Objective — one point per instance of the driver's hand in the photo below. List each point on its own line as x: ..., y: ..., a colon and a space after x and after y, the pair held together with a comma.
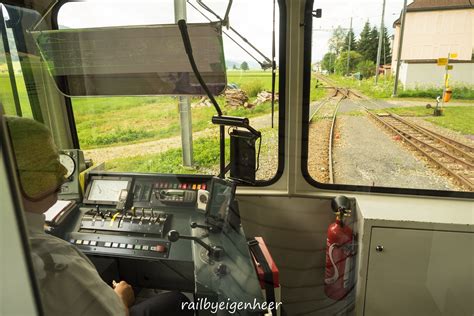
x: 125, y: 292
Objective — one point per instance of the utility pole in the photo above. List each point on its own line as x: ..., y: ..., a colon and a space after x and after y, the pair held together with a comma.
x: 379, y: 50
x: 349, y: 47
x: 184, y: 103
x: 399, y: 53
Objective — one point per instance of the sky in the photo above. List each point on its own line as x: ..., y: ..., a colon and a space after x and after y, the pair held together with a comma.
x: 339, y: 12
x: 251, y: 18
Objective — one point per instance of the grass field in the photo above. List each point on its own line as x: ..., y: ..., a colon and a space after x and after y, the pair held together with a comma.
x: 252, y: 82
x: 119, y: 120
x: 457, y: 118
x: 112, y: 121
x: 206, y: 158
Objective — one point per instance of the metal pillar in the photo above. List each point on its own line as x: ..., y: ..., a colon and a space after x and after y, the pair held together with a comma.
x: 184, y: 103
x: 399, y: 53
x: 379, y: 50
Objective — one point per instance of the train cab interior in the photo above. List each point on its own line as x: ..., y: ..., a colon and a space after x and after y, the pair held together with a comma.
x: 192, y: 137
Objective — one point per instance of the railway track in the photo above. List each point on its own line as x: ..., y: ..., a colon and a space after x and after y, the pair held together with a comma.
x: 314, y: 109
x: 455, y: 158
x: 318, y: 109
x: 448, y: 155
x: 331, y: 141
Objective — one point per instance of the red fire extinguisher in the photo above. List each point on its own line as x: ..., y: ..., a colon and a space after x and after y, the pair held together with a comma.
x: 338, y: 279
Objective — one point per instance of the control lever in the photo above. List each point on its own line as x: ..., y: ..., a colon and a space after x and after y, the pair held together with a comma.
x: 99, y: 212
x: 209, y: 228
x: 214, y: 252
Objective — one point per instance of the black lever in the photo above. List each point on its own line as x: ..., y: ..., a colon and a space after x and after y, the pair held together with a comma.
x: 214, y: 252
x: 209, y: 228
x: 99, y: 212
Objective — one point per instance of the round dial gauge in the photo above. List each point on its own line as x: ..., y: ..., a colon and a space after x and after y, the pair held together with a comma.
x: 68, y: 163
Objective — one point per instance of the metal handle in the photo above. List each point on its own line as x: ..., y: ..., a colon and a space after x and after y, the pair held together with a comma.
x: 379, y: 248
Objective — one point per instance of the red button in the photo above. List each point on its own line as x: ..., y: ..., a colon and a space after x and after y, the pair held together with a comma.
x: 160, y: 248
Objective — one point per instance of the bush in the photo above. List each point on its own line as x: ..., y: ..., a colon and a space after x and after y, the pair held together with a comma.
x: 366, y: 68
x: 253, y: 87
x: 341, y: 62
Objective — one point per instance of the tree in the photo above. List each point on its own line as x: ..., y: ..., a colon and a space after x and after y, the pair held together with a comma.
x: 341, y: 62
x: 234, y: 67
x: 244, y: 66
x: 386, y: 49
x: 363, y: 45
x: 328, y: 62
x: 349, y: 36
x: 366, y: 68
x: 373, y: 45
x: 336, y: 42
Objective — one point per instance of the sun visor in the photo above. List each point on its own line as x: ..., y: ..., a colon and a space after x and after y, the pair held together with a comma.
x: 133, y: 60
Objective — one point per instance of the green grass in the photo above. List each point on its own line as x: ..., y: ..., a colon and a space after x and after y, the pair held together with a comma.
x: 113, y: 121
x: 206, y: 157
x: 123, y: 120
x: 248, y: 80
x: 384, y: 88
x: 6, y: 95
x: 317, y: 92
x: 457, y: 118
x: 459, y: 92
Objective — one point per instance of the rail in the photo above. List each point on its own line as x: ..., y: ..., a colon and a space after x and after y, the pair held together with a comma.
x: 455, y: 158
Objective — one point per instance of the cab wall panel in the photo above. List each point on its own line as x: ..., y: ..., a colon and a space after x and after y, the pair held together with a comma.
x: 294, y: 230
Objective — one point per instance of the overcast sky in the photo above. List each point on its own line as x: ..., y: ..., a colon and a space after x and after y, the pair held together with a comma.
x: 252, y: 18
x: 339, y: 12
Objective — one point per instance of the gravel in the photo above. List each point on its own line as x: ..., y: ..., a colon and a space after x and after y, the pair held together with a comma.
x: 366, y: 155
x: 318, y: 150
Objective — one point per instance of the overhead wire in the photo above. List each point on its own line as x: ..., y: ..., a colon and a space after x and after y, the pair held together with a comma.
x: 267, y: 60
x: 227, y: 34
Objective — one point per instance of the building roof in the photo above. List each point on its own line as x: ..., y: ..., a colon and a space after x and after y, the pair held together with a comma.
x: 437, y: 5
x: 432, y: 5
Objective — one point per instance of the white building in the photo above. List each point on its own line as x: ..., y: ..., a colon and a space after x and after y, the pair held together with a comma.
x: 433, y: 29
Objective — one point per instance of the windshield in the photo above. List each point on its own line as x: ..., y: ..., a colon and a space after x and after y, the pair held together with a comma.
x: 174, y: 133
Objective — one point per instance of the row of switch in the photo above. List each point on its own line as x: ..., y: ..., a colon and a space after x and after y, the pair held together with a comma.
x: 108, y: 244
x: 187, y: 186
x: 84, y: 242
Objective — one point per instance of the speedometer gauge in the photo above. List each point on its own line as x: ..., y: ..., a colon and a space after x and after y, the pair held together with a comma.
x: 68, y: 163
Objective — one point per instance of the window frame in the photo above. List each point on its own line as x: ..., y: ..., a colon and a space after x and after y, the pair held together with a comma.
x: 308, y: 24
x: 281, y: 62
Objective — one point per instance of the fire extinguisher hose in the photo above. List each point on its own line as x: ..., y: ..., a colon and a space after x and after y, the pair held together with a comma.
x: 334, y: 278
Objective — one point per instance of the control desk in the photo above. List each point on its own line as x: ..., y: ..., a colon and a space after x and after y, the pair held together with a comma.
x: 167, y: 232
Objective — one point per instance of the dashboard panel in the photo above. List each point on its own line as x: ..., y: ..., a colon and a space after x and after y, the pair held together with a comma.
x: 182, y: 232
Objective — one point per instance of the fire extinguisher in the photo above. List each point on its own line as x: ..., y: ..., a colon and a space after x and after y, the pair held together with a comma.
x: 338, y: 278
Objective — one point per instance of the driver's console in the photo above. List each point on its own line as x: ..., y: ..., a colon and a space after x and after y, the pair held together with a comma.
x: 167, y: 231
